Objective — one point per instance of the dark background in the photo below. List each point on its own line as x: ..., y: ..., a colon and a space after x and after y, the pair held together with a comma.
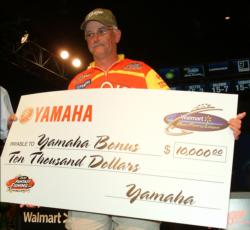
x: 159, y: 32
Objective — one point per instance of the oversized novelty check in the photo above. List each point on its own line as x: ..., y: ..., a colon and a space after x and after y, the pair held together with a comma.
x: 151, y: 154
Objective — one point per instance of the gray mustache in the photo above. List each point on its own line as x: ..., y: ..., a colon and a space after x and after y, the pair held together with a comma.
x: 97, y: 44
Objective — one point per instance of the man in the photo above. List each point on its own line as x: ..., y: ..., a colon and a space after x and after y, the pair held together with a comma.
x: 7, y: 211
x: 110, y: 70
x: 5, y: 112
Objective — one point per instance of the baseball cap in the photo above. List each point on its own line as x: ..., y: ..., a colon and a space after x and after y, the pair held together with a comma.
x: 104, y: 16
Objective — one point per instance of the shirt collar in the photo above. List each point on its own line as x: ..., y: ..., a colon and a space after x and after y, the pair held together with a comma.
x: 120, y: 58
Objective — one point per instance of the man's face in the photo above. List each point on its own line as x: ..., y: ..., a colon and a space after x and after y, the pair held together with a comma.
x: 101, y: 40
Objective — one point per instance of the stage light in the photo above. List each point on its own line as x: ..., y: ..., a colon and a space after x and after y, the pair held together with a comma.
x: 76, y: 62
x: 64, y: 54
x: 24, y: 38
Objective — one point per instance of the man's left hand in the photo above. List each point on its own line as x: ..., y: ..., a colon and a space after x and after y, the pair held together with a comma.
x: 235, y: 124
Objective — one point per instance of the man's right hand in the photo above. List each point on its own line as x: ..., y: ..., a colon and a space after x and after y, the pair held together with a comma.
x: 11, y: 119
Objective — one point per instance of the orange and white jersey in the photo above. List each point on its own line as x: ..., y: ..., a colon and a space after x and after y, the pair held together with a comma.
x: 124, y: 73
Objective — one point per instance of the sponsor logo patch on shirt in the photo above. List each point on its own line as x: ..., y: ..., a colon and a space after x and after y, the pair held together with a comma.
x: 83, y: 76
x: 84, y: 84
x: 131, y: 66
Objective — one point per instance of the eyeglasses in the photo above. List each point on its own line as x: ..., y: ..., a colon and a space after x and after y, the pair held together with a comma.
x: 100, y: 32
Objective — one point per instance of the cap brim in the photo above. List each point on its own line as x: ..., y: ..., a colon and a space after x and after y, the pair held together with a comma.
x: 83, y: 25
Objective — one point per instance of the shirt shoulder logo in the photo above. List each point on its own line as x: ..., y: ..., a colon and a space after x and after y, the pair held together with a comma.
x: 133, y: 66
x: 84, y: 84
x: 82, y: 76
